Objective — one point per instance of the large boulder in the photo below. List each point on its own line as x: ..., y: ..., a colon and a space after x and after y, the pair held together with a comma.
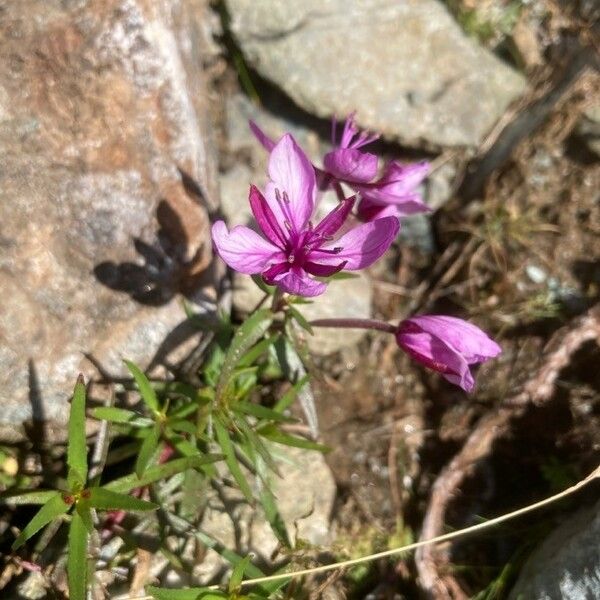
x: 405, y: 66
x: 104, y: 137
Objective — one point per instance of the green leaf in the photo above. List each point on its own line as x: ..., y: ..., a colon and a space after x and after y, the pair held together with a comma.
x: 230, y: 556
x: 247, y: 334
x: 260, y: 282
x: 231, y: 460
x: 269, y: 505
x: 144, y: 386
x: 238, y: 574
x: 147, y: 450
x: 54, y: 508
x: 83, y: 509
x: 153, y: 474
x: 273, y: 434
x: 120, y: 415
x: 77, y: 558
x: 77, y: 448
x: 35, y: 497
x: 294, y: 370
x: 341, y: 276
x: 288, y: 398
x: 182, y: 426
x: 104, y: 499
x: 262, y: 412
x: 254, y: 353
x: 254, y: 445
x: 299, y: 318
x: 186, y: 594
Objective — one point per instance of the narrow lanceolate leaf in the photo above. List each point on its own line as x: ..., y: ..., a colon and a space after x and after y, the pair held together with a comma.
x: 186, y: 594
x: 262, y: 412
x: 54, y: 508
x: 238, y: 574
x: 273, y: 434
x: 274, y: 518
x: 247, y: 334
x: 288, y: 398
x: 83, y: 510
x: 77, y: 449
x: 35, y: 497
x: 104, y: 499
x: 230, y: 556
x: 254, y: 353
x: 120, y: 415
x: 77, y: 558
x: 147, y: 450
x: 146, y: 390
x: 300, y: 319
x: 293, y: 368
x: 153, y: 474
x: 232, y: 463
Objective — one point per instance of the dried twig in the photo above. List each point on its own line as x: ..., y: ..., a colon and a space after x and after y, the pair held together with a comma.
x: 536, y: 391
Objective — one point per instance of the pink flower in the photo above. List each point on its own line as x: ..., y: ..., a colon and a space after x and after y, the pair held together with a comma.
x: 392, y: 194
x: 292, y: 249
x: 447, y: 345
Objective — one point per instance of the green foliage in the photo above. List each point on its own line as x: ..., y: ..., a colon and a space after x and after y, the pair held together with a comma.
x: 170, y: 441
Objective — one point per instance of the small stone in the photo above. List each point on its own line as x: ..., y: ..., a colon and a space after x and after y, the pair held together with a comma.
x: 567, y: 563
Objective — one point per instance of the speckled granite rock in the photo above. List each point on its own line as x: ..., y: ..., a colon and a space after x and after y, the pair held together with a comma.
x: 102, y: 107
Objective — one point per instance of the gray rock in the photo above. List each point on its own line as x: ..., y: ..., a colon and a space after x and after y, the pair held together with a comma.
x: 304, y: 502
x: 101, y: 105
x: 405, y: 67
x: 567, y: 564
x: 350, y: 298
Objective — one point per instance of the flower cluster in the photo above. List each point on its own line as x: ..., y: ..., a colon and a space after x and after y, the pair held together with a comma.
x: 297, y: 256
x: 394, y: 193
x: 292, y: 248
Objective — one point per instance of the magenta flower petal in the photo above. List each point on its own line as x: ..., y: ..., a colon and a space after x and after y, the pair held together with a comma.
x: 274, y: 271
x: 397, y: 186
x: 361, y: 246
x: 404, y: 177
x: 267, y: 143
x: 334, y: 220
x: 243, y: 249
x: 370, y: 209
x: 297, y: 282
x: 447, y: 345
x: 351, y: 165
x: 465, y: 337
x: 323, y: 270
x: 433, y: 353
x: 293, y: 183
x: 265, y: 218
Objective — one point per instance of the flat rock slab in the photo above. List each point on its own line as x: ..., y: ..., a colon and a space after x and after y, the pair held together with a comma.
x: 405, y: 66
x: 102, y: 108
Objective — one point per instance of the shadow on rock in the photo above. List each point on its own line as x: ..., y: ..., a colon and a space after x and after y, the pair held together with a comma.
x: 164, y: 271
